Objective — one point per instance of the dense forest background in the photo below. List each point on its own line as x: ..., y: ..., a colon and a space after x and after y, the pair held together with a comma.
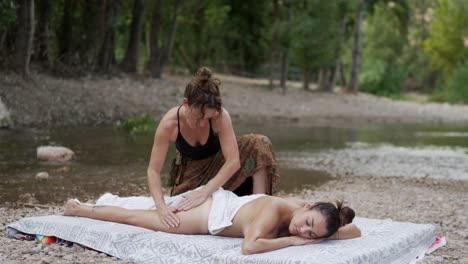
x: 377, y: 46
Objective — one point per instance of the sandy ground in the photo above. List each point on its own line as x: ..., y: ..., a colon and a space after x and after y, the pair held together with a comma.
x: 44, y: 100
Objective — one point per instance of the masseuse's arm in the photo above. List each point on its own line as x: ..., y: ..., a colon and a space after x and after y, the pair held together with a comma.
x: 223, y: 126
x: 230, y: 151
x: 158, y: 155
x: 260, y: 237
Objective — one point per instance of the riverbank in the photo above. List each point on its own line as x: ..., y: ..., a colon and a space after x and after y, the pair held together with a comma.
x: 437, y: 202
x: 43, y: 100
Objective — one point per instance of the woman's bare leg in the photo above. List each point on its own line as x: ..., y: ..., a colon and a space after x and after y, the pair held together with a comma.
x: 260, y: 181
x: 194, y: 221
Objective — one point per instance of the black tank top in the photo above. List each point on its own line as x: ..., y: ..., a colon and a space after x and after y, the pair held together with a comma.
x: 211, y: 147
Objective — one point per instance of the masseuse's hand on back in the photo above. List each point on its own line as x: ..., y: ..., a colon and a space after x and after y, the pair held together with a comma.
x: 167, y: 216
x: 191, y: 200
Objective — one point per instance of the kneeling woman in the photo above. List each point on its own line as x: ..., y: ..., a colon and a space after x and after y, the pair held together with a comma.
x: 266, y: 222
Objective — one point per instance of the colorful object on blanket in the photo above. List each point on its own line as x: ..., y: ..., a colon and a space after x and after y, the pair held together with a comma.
x: 46, y: 239
x: 439, y: 242
x: 15, y: 234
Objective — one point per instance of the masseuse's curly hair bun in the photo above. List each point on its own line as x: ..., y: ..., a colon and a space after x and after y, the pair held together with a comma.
x: 203, y: 91
x: 335, y: 215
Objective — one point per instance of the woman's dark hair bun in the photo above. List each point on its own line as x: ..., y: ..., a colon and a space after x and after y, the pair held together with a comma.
x: 204, y: 72
x: 346, y: 213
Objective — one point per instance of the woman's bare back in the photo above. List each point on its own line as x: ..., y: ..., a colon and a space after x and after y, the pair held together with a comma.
x: 248, y: 212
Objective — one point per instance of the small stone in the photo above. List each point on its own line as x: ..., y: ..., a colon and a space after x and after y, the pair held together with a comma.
x: 37, y: 249
x: 64, y: 169
x: 54, y: 153
x: 41, y: 176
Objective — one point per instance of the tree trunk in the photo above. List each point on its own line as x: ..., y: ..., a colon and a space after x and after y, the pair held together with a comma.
x: 199, y: 46
x: 342, y: 74
x: 94, y: 32
x: 306, y: 78
x: 167, y: 55
x: 356, y: 56
x: 274, y: 41
x: 189, y: 64
x: 130, y: 61
x: 24, y: 36
x: 2, y: 40
x: 284, y: 57
x: 324, y: 83
x: 66, y: 32
x: 107, y: 54
x: 154, y: 63
x: 43, y: 35
x: 320, y: 79
x: 284, y: 71
x: 338, y: 56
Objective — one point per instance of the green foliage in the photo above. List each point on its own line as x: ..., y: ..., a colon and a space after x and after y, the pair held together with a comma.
x: 383, y: 72
x: 457, y: 86
x: 448, y: 33
x: 245, y: 34
x: 438, y: 96
x: 124, y: 22
x: 143, y: 124
x: 7, y: 13
x: 198, y: 41
x: 230, y: 35
x: 381, y: 77
x: 314, y: 33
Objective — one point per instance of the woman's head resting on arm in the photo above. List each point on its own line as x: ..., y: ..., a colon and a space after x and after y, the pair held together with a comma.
x: 202, y: 98
x: 320, y: 220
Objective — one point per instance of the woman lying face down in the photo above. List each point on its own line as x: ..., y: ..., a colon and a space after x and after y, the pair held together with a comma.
x: 265, y: 222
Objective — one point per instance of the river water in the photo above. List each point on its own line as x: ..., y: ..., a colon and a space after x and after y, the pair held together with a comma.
x: 112, y: 160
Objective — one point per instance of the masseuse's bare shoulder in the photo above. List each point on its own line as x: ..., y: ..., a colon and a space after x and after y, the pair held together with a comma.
x: 168, y: 124
x: 221, y: 121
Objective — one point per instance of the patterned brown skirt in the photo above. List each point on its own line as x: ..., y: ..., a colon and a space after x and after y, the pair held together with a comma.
x: 255, y: 151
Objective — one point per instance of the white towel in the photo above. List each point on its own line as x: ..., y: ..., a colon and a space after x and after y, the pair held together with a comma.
x: 224, y: 207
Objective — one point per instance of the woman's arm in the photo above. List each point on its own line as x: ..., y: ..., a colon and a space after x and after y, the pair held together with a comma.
x: 346, y: 232
x: 230, y: 151
x: 158, y: 156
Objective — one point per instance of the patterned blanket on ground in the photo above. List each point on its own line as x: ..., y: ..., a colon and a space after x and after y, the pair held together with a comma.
x: 382, y: 241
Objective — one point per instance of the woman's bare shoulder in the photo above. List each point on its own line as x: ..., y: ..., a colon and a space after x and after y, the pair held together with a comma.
x: 272, y: 202
x: 169, y: 121
x: 222, y: 121
x: 296, y: 201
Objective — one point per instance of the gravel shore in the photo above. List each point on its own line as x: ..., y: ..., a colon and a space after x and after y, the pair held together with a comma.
x: 47, y: 101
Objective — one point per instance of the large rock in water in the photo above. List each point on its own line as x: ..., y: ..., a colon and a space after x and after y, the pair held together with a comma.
x: 54, y: 153
x: 5, y: 119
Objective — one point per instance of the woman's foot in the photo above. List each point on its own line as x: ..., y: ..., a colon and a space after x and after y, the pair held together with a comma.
x: 71, y: 208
